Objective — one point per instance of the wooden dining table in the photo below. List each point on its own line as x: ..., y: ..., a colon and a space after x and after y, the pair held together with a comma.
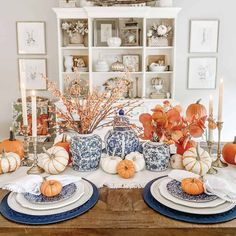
x: 119, y: 212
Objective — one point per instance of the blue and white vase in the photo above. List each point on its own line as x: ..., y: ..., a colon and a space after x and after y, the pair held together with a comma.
x: 122, y: 139
x: 86, y: 152
x: 156, y: 155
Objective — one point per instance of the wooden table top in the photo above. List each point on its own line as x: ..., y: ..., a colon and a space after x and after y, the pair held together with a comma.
x: 119, y: 212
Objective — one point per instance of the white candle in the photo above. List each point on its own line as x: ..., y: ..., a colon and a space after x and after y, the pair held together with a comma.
x: 210, y: 131
x: 24, y: 105
x: 220, y: 105
x: 34, y: 114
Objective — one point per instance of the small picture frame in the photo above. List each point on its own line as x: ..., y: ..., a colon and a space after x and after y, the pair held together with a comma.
x: 204, y: 36
x: 131, y: 62
x: 31, y: 73
x: 103, y: 30
x: 31, y: 38
x: 131, y: 37
x: 202, y: 73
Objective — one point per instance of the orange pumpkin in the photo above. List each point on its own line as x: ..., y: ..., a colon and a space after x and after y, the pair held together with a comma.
x: 195, y: 110
x: 126, y: 169
x: 50, y: 188
x: 12, y: 145
x: 229, y: 152
x: 63, y: 143
x: 192, y: 186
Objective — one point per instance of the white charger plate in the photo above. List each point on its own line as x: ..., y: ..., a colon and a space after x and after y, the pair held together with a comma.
x: 14, y: 205
x: 199, y: 211
x: 164, y: 192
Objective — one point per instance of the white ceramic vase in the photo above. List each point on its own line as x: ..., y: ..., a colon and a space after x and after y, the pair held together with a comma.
x: 68, y: 63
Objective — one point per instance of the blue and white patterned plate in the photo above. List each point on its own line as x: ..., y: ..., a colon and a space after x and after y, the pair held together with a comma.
x: 66, y: 192
x: 174, y: 188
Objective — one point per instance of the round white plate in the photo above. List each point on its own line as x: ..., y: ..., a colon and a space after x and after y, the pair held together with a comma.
x: 164, y: 192
x: 199, y: 211
x: 14, y: 205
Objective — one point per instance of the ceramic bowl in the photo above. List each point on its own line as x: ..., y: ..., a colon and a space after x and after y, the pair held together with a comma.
x: 156, y: 68
x: 114, y: 42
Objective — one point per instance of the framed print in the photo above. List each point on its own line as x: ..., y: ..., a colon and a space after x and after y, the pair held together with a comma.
x: 204, y: 36
x: 31, y: 37
x: 31, y: 72
x: 131, y: 62
x: 202, y: 73
x: 103, y: 30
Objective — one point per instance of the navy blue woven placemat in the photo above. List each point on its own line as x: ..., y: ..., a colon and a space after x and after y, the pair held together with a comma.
x: 181, y: 216
x: 17, y: 217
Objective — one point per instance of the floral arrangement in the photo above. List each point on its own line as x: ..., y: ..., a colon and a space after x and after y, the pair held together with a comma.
x: 166, y: 124
x: 84, y: 115
x: 72, y: 27
x: 159, y: 31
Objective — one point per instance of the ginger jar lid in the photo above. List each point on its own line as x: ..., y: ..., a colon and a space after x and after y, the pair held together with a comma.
x: 120, y: 120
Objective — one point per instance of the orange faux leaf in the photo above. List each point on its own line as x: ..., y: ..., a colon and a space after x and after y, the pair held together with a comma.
x: 145, y: 117
x: 173, y: 116
x: 177, y: 135
x: 195, y: 130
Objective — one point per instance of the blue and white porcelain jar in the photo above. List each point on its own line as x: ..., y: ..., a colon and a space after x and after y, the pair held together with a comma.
x: 122, y: 140
x: 86, y: 152
x: 156, y: 155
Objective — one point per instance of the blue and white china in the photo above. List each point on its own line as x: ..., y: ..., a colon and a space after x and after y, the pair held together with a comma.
x: 86, y: 152
x: 122, y: 139
x: 66, y: 192
x: 174, y: 188
x: 156, y: 155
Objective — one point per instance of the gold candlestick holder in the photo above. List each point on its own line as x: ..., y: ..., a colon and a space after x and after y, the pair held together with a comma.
x: 218, y: 163
x: 210, y: 145
x: 35, y: 169
x: 26, y: 161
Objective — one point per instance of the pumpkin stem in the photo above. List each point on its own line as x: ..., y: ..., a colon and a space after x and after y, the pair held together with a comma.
x: 64, y: 137
x: 198, y: 101
x: 12, y: 135
x: 234, y: 140
x: 198, y: 155
x: 3, y: 153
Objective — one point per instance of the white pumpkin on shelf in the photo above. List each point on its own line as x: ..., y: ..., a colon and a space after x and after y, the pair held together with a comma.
x: 9, y: 162
x: 54, y: 160
x: 138, y: 159
x: 197, y: 160
x: 176, y: 162
x: 109, y: 163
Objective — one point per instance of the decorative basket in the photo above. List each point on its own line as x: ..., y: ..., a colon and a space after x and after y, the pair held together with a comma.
x: 77, y: 38
x: 158, y: 42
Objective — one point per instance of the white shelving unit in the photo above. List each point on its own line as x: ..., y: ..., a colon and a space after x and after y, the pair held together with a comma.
x: 145, y: 15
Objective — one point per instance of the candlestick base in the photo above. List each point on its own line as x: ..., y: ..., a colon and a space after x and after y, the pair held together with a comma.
x: 27, y: 162
x: 35, y: 170
x: 212, y: 171
x: 219, y: 164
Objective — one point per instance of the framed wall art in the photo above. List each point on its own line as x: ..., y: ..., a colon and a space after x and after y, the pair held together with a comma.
x: 131, y: 62
x: 31, y: 73
x: 202, y: 73
x: 31, y: 37
x: 103, y: 30
x: 204, y: 36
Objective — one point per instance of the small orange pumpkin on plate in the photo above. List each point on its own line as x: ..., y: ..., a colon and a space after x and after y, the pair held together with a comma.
x: 50, y: 188
x: 192, y: 186
x: 126, y: 169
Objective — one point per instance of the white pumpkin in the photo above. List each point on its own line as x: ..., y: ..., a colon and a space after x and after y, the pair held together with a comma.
x: 197, y: 160
x: 176, y: 162
x: 54, y: 160
x: 9, y: 162
x: 109, y: 163
x: 138, y: 159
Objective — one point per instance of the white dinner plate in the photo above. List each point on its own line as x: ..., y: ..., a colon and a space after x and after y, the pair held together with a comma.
x: 164, y: 192
x: 14, y: 205
x: 199, y: 211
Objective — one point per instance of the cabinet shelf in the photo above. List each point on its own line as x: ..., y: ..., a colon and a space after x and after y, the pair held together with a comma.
x: 159, y: 72
x: 73, y: 73
x: 160, y: 48
x: 74, y: 48
x: 116, y: 73
x: 119, y: 48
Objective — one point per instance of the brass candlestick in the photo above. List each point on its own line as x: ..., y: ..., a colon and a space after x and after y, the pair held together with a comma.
x: 26, y: 161
x: 210, y: 144
x: 218, y: 163
x: 35, y: 169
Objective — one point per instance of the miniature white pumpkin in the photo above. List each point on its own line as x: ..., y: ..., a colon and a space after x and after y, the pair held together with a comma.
x: 138, y: 159
x: 9, y: 162
x: 197, y: 160
x: 176, y: 162
x: 54, y: 160
x: 109, y: 163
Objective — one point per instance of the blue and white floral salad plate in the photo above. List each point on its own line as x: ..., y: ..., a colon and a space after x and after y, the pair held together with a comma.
x: 66, y: 192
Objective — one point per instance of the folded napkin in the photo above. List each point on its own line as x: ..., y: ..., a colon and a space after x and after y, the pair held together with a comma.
x: 221, y: 185
x: 31, y: 183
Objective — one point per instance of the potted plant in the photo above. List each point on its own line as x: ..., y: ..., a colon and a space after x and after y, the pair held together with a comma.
x: 82, y: 115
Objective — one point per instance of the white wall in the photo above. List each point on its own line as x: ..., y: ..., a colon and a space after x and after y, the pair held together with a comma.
x: 15, y: 10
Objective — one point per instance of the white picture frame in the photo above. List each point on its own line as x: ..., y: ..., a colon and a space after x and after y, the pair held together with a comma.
x: 31, y: 73
x: 131, y: 62
x: 202, y: 73
x: 204, y: 36
x: 31, y: 38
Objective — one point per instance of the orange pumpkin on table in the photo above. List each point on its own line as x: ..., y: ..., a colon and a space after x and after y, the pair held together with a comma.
x: 192, y: 186
x: 195, y: 110
x: 126, y: 169
x: 229, y: 152
x: 50, y: 188
x: 12, y: 145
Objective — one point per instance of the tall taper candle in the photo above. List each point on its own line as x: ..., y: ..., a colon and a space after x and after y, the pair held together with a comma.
x: 210, y: 131
x: 34, y: 114
x: 24, y: 105
x: 220, y: 105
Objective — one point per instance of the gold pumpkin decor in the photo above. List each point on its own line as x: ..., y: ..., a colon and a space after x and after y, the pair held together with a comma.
x: 9, y: 162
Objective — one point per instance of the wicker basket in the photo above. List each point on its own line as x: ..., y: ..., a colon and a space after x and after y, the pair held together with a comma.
x: 158, y: 42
